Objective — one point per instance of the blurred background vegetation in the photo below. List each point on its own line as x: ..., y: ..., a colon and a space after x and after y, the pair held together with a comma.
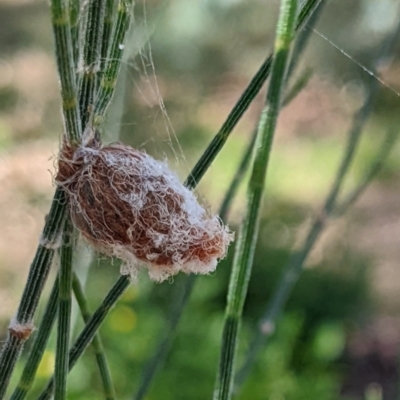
x: 340, y: 335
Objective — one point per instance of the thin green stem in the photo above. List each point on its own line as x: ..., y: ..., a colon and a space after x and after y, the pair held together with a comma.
x: 90, y: 329
x: 242, y: 105
x: 21, y: 326
x: 101, y: 359
x: 293, y: 269
x: 65, y: 64
x: 108, y: 24
x: 303, y: 38
x: 248, y: 234
x: 91, y: 57
x: 74, y: 8
x: 64, y: 314
x: 113, y: 60
x: 38, y: 346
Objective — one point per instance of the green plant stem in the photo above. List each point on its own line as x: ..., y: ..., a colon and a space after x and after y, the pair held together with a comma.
x: 113, y: 60
x: 242, y: 105
x: 64, y: 313
x: 136, y: 40
x: 96, y: 343
x: 30, y: 297
x: 108, y: 24
x: 74, y: 8
x: 38, y: 346
x: 91, y: 57
x: 248, y: 234
x: 293, y: 269
x: 65, y: 64
x: 303, y: 38
x: 90, y: 329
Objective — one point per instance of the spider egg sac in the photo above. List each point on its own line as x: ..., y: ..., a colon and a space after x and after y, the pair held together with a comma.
x: 131, y: 206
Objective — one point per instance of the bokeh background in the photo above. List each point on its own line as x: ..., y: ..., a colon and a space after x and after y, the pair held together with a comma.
x: 189, y: 62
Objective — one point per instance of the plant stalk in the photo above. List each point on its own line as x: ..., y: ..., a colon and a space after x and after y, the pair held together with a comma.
x: 108, y: 24
x: 112, y: 66
x: 60, y: 14
x: 74, y: 9
x: 91, y: 57
x: 38, y: 346
x: 21, y: 326
x: 245, y: 247
x: 64, y: 313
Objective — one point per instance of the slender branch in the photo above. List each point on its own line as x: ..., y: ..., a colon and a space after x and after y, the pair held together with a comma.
x: 108, y: 24
x: 21, y: 326
x: 303, y: 38
x: 38, y: 346
x: 96, y: 343
x: 74, y: 8
x: 64, y: 313
x: 65, y: 64
x: 113, y: 61
x: 91, y: 57
x: 248, y: 234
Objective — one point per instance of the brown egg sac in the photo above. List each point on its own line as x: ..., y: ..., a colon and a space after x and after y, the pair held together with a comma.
x: 129, y: 205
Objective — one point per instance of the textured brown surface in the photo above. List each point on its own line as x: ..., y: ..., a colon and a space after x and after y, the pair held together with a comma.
x: 103, y: 184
